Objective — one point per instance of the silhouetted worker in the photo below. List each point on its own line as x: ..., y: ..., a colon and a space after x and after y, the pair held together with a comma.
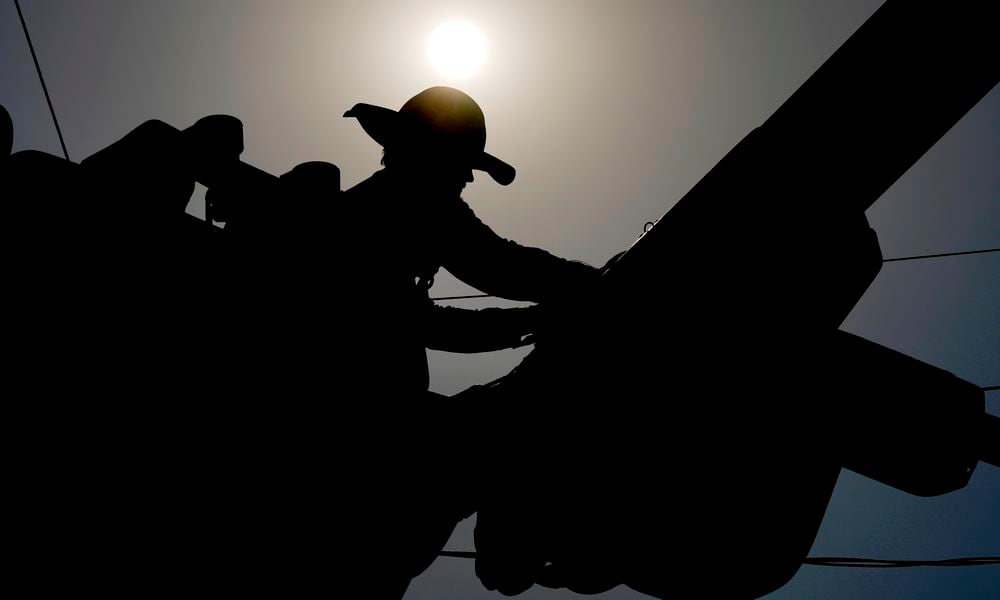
x: 432, y: 145
x: 412, y: 221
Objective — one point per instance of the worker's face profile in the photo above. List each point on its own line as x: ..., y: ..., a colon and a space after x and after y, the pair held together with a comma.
x: 455, y: 176
x: 440, y: 171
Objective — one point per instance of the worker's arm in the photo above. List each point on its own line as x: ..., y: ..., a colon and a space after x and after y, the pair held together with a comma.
x: 481, y: 258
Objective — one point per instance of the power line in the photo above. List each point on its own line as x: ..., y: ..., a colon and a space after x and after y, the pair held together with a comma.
x: 38, y: 68
x: 838, y: 561
x: 885, y: 260
x: 464, y: 297
x: 923, y: 256
x: 874, y: 563
x: 456, y: 554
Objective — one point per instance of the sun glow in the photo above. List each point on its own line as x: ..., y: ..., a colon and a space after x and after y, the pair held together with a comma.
x: 456, y: 48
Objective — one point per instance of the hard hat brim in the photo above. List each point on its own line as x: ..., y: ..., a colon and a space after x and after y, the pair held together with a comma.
x: 387, y: 127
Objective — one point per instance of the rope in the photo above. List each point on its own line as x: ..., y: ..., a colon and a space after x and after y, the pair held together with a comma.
x: 45, y: 89
x: 837, y: 561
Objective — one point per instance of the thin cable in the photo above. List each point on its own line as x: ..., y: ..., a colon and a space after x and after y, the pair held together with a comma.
x: 457, y: 554
x: 839, y: 561
x: 463, y: 297
x: 38, y: 68
x: 871, y: 563
x: 886, y: 260
x: 941, y: 255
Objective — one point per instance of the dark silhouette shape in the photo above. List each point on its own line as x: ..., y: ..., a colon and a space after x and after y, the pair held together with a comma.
x: 431, y: 147
x: 298, y: 373
x: 730, y: 399
x: 308, y: 442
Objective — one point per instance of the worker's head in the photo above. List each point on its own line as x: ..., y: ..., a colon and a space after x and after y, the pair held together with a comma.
x: 439, y: 135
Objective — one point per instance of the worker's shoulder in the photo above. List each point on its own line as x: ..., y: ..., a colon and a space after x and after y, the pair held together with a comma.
x: 374, y: 184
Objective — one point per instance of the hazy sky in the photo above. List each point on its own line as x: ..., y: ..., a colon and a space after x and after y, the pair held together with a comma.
x: 610, y: 110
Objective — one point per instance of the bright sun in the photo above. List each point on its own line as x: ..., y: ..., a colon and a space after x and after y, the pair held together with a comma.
x: 456, y: 48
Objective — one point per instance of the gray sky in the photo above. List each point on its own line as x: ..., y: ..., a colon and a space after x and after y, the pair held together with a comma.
x: 611, y: 111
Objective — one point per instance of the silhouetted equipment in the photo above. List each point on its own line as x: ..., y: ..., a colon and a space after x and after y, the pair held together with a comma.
x: 168, y: 367
x: 730, y: 400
